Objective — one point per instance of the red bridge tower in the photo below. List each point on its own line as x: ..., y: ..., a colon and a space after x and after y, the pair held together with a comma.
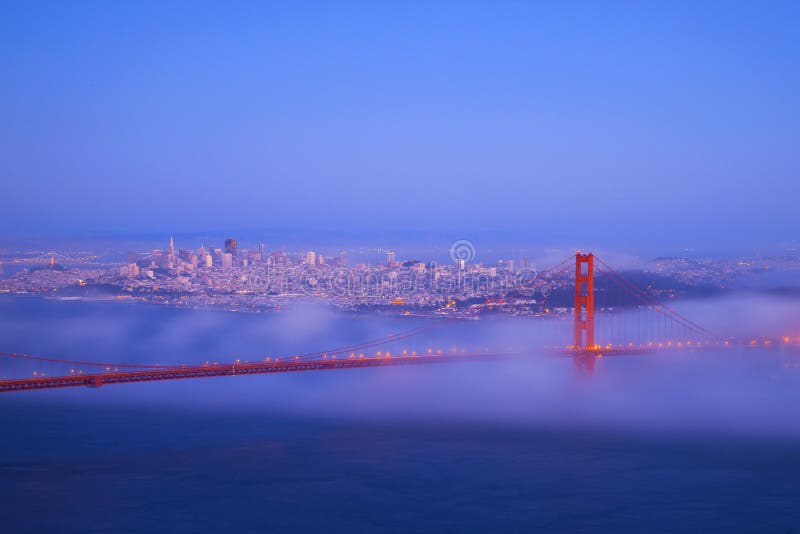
x: 584, y: 302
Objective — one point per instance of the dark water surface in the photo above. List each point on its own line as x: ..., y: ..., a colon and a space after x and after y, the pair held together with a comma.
x: 663, y: 444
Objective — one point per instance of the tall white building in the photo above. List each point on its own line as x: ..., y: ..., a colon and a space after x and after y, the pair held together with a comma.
x: 171, y: 261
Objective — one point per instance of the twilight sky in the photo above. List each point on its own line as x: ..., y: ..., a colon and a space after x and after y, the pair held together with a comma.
x: 672, y: 123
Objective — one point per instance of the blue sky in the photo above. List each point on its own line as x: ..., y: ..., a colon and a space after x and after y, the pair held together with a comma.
x: 595, y: 121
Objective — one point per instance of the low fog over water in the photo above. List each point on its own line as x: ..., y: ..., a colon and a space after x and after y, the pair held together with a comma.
x: 736, y: 390
x: 668, y: 441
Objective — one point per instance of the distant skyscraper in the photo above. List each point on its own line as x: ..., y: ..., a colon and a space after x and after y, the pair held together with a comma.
x: 231, y: 246
x: 261, y: 254
x: 216, y: 252
x: 171, y: 254
x: 390, y: 259
x: 311, y: 257
x: 227, y: 260
x: 201, y: 256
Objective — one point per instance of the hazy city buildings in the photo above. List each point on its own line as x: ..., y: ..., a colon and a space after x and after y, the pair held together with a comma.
x: 231, y: 247
x: 257, y: 280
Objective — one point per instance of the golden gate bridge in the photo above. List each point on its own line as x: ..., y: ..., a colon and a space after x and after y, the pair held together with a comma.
x: 611, y: 316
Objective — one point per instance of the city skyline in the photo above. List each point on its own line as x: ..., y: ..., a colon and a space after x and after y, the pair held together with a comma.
x: 230, y: 277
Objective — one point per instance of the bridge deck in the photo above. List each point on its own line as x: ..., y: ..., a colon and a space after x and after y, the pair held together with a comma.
x: 211, y: 370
